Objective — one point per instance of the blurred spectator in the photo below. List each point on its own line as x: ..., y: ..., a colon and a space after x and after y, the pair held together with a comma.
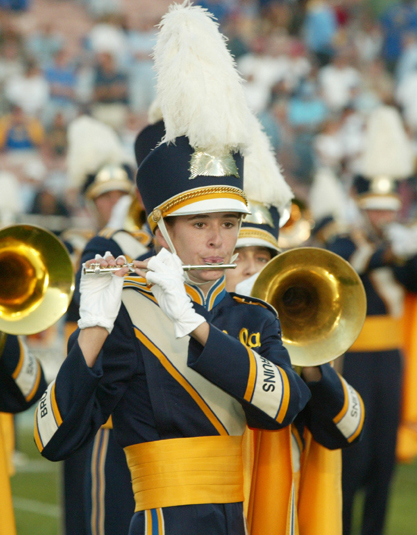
x: 100, y: 8
x: 10, y: 202
x: 369, y: 40
x: 262, y: 70
x: 234, y: 30
x: 43, y: 44
x: 56, y: 136
x: 328, y: 147
x: 220, y: 8
x: 110, y: 92
x: 320, y: 26
x: 20, y: 132
x: 306, y: 109
x: 406, y: 97
x: 11, y: 62
x: 29, y: 90
x: 109, y: 36
x: 15, y: 5
x: 61, y: 77
x: 337, y: 80
x: 47, y: 202
x: 377, y: 87
x: 396, y: 21
x: 407, y: 62
x: 141, y: 74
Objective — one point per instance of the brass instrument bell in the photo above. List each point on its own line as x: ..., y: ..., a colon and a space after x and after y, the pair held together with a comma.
x: 36, y: 279
x: 320, y: 300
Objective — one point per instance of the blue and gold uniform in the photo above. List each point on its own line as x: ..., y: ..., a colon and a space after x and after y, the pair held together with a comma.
x: 21, y: 385
x: 160, y: 389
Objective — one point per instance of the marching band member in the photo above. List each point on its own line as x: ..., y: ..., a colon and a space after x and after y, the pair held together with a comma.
x: 387, y: 266
x: 159, y: 352
x: 295, y: 469
x: 98, y: 495
x: 22, y: 383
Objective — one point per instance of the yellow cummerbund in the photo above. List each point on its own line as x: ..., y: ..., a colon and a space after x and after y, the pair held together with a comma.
x: 186, y: 471
x: 380, y: 333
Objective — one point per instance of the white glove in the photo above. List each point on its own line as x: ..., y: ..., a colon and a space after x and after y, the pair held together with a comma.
x: 167, y: 277
x: 101, y: 297
x: 403, y: 240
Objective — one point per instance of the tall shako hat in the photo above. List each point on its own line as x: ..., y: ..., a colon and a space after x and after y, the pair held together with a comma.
x: 198, y: 167
x: 151, y: 136
x: 95, y: 158
x: 268, y: 193
x: 387, y: 158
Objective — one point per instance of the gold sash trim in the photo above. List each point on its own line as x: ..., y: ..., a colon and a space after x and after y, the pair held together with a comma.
x: 186, y: 471
x: 380, y: 333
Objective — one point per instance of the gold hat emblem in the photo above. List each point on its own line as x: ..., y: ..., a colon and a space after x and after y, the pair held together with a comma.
x: 205, y: 164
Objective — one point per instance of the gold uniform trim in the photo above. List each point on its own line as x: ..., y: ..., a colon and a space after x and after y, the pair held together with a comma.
x: 379, y: 333
x: 186, y: 471
x: 250, y: 232
x: 192, y: 196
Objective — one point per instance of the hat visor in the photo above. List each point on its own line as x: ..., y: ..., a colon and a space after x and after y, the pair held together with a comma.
x: 380, y: 202
x: 255, y: 242
x: 95, y: 190
x: 207, y: 206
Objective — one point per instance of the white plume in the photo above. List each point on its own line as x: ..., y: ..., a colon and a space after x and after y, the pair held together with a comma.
x: 327, y: 197
x: 263, y: 180
x: 198, y: 87
x: 91, y: 144
x: 388, y: 150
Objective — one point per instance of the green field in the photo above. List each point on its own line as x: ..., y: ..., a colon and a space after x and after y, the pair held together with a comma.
x: 36, y: 492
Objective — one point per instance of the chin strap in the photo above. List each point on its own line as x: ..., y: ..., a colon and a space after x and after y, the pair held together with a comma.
x: 164, y: 231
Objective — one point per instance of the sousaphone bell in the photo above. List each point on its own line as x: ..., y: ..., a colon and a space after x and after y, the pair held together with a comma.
x: 320, y: 300
x: 36, y: 279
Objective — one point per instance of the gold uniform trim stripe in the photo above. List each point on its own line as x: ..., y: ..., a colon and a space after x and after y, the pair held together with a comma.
x: 379, y: 333
x: 252, y: 377
x: 20, y: 363
x: 360, y: 426
x: 192, y: 196
x: 182, y: 381
x: 285, y: 396
x: 36, y: 383
x: 186, y: 471
x: 250, y: 232
x: 339, y: 416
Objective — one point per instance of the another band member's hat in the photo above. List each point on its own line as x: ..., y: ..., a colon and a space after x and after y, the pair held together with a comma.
x: 96, y: 160
x: 268, y: 193
x: 198, y: 166
x: 387, y: 158
x: 151, y: 135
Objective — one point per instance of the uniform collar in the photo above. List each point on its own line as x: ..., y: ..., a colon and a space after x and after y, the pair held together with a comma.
x: 216, y: 293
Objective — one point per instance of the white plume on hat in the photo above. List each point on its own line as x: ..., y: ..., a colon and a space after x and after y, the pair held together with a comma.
x: 91, y: 145
x: 388, y: 150
x: 199, y: 90
x: 263, y: 180
x: 327, y: 197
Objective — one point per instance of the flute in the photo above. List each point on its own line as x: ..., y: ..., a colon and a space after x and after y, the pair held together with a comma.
x: 95, y: 269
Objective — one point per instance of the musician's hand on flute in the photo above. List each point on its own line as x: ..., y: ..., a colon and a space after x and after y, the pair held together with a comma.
x: 166, y: 276
x: 101, y: 296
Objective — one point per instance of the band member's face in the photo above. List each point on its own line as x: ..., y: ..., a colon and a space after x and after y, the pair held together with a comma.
x: 204, y: 239
x: 104, y: 205
x: 251, y: 260
x: 380, y: 218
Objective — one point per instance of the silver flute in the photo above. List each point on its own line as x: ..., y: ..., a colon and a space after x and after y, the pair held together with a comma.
x: 95, y: 269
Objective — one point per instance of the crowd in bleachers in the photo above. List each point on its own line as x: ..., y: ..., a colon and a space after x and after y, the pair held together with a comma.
x: 313, y: 69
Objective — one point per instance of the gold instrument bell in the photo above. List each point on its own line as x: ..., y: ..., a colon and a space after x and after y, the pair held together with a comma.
x: 320, y: 300
x: 36, y: 279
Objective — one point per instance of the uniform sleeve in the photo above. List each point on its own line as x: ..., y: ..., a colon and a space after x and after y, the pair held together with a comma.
x: 270, y: 392
x: 406, y: 274
x: 81, y: 399
x: 363, y: 256
x: 22, y: 381
x: 335, y: 414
